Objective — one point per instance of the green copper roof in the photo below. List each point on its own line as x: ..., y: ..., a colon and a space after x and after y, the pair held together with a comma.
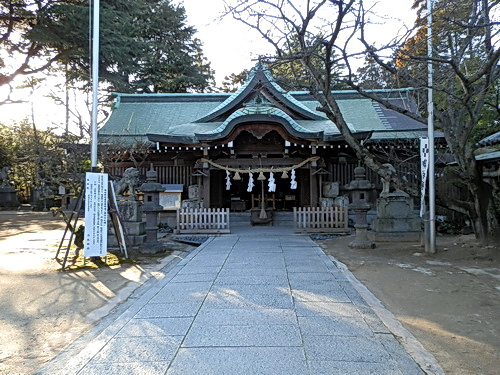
x: 190, y: 118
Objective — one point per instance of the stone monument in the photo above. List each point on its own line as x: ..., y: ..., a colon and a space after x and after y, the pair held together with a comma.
x: 130, y: 209
x: 8, y: 195
x: 396, y: 219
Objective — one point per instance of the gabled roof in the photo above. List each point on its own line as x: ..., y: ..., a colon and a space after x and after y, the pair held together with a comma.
x: 260, y: 82
x: 192, y: 118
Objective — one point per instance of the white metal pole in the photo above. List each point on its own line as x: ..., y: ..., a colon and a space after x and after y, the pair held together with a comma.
x: 95, y: 83
x: 430, y: 128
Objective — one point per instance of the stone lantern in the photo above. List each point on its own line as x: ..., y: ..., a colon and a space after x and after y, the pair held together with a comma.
x: 151, y: 189
x: 359, y: 188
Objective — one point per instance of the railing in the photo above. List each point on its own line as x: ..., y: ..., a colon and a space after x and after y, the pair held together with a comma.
x: 320, y: 219
x: 203, y: 220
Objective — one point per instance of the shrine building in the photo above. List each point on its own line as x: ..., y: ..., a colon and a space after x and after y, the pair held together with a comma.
x: 259, y: 144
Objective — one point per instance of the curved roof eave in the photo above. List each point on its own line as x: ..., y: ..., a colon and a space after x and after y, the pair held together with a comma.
x: 234, y: 122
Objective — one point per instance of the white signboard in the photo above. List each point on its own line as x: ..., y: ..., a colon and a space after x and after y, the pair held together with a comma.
x: 170, y: 201
x: 96, y: 214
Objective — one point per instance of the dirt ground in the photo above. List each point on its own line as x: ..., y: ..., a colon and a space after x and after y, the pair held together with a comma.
x: 449, y: 301
x: 43, y: 309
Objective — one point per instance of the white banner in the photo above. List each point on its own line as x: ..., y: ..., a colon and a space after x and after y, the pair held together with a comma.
x: 424, y: 167
x: 96, y: 214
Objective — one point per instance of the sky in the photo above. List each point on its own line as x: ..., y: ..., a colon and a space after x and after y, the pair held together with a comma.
x: 228, y: 44
x: 231, y: 47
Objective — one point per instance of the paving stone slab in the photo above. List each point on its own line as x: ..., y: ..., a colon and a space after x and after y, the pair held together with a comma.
x: 169, y: 310
x: 280, y: 281
x: 205, y: 270
x: 257, y: 271
x: 320, y: 308
x: 235, y: 361
x: 156, y: 327
x: 136, y: 368
x: 333, y: 326
x: 256, y: 264
x: 326, y: 293
x: 137, y: 349
x: 193, y: 277
x: 228, y: 301
x: 206, y: 262
x: 307, y: 268
x: 341, y: 348
x: 358, y: 368
x: 304, y: 277
x: 245, y: 316
x: 243, y: 335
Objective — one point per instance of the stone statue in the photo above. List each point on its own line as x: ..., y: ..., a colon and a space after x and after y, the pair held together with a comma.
x: 128, y: 183
x: 386, y: 183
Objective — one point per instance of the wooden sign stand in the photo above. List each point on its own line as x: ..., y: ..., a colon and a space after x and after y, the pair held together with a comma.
x: 115, y: 217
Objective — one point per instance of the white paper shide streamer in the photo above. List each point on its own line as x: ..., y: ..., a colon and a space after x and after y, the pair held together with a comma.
x: 228, y: 180
x: 250, y: 182
x: 271, y: 183
x: 293, y: 183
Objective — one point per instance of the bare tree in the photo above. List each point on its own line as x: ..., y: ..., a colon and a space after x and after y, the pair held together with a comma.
x: 327, y: 33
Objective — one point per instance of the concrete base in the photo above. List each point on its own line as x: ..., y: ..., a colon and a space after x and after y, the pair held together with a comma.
x: 135, y: 231
x: 256, y: 219
x: 8, y: 197
x: 362, y: 245
x: 395, y: 236
x: 132, y: 240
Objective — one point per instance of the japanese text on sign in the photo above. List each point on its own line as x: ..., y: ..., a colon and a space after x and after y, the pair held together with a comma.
x: 96, y: 214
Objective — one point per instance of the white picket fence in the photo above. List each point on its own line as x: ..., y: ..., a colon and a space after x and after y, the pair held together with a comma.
x: 321, y: 219
x: 203, y: 220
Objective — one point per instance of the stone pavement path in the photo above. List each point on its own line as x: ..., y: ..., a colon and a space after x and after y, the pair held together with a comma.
x: 246, y: 304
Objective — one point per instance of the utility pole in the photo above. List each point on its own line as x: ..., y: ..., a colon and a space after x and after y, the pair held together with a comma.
x: 430, y: 129
x: 95, y: 83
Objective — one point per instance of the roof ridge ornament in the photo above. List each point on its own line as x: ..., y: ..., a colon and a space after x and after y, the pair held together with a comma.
x: 258, y: 101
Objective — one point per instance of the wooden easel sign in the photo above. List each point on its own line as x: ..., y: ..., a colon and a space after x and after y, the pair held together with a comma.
x: 96, y: 215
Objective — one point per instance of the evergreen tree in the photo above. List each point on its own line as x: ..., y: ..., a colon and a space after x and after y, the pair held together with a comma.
x: 145, y: 45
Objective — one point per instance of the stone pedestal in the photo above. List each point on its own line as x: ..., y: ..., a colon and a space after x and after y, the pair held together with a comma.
x: 396, y: 220
x: 361, y: 240
x: 135, y: 227
x: 8, y: 197
x: 130, y: 210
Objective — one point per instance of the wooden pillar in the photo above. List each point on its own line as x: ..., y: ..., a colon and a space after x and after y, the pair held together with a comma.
x: 205, y: 193
x: 313, y: 181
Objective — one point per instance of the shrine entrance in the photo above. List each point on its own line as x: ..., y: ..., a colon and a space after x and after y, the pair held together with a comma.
x: 239, y: 199
x: 260, y: 171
